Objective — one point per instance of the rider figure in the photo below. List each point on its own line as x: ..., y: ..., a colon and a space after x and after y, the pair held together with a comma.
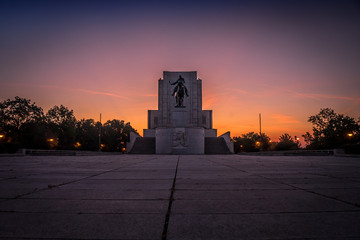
x: 180, y: 83
x: 180, y: 80
x: 180, y: 89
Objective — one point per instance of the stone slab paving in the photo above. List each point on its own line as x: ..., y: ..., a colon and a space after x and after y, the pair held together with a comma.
x: 179, y: 197
x: 258, y: 197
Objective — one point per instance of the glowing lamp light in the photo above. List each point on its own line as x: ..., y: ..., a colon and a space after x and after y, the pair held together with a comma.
x: 350, y: 134
x: 258, y: 143
x: 270, y: 141
x: 2, y: 136
x: 50, y: 139
x: 298, y: 139
x: 77, y: 145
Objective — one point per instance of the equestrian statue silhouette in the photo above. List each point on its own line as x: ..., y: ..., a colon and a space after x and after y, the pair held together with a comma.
x: 179, y: 92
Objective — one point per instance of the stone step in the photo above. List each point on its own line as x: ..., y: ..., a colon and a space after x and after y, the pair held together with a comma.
x: 214, y: 145
x: 144, y: 145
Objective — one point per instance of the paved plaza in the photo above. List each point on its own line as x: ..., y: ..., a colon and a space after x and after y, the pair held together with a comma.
x: 180, y: 197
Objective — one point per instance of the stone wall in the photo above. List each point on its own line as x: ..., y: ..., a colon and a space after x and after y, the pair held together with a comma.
x: 180, y: 140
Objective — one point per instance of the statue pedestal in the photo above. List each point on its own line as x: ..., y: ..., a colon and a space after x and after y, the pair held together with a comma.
x: 180, y: 117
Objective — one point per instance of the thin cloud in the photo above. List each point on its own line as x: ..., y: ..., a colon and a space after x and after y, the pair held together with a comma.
x: 149, y: 95
x: 309, y: 95
x: 237, y: 90
x: 210, y: 99
x: 92, y: 92
x: 85, y: 91
x: 284, y: 119
x: 327, y: 96
x: 353, y: 105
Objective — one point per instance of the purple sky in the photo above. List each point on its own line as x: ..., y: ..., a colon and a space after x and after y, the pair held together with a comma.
x: 285, y: 59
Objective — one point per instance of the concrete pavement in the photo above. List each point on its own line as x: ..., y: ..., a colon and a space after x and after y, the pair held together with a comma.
x: 179, y: 197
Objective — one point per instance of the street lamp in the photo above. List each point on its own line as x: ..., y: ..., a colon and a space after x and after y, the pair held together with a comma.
x: 100, y: 145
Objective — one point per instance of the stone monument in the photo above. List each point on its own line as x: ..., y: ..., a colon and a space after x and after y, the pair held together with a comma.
x: 180, y: 126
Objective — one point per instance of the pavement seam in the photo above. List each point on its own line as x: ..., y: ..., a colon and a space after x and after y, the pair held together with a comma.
x: 290, y: 185
x: 322, y: 195
x: 73, y: 181
x: 171, y: 198
x: 66, y: 238
x: 156, y: 213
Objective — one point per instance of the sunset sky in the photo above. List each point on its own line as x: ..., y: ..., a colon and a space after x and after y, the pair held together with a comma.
x: 284, y: 59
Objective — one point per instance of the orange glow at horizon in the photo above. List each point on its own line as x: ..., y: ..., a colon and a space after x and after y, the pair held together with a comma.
x: 235, y: 110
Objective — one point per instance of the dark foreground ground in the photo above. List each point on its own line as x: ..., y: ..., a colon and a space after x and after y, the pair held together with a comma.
x: 179, y: 197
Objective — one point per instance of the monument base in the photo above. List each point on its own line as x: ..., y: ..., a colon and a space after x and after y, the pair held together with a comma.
x: 180, y: 140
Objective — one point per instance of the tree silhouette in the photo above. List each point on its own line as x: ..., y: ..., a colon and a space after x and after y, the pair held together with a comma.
x: 22, y: 123
x: 115, y: 135
x: 15, y: 113
x: 87, y: 133
x: 251, y: 142
x: 332, y: 130
x: 62, y: 122
x: 286, y: 142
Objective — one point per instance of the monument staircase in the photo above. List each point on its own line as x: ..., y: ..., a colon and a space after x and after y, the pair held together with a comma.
x: 144, y: 145
x: 213, y: 145
x: 216, y: 145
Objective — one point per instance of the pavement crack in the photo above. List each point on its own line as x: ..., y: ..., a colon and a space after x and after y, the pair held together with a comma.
x: 292, y: 186
x: 171, y: 199
x: 49, y: 187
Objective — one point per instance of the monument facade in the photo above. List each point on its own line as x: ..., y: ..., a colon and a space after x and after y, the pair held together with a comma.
x: 180, y: 126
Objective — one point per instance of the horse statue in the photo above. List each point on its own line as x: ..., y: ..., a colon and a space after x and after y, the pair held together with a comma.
x: 179, y: 92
